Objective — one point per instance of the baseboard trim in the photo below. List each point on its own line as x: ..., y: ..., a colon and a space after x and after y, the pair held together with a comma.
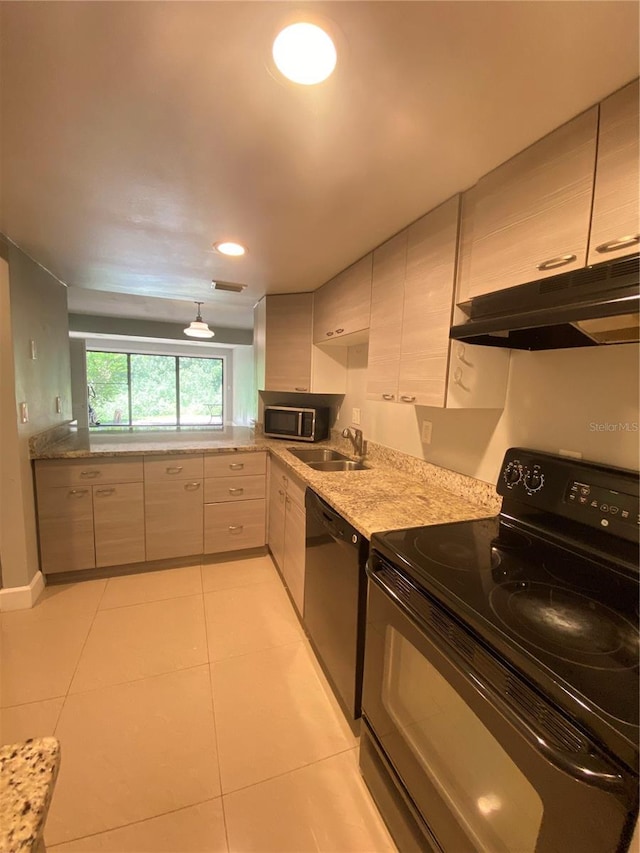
x: 22, y: 597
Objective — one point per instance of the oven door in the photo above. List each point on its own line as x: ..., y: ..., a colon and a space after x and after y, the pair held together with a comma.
x: 484, y: 762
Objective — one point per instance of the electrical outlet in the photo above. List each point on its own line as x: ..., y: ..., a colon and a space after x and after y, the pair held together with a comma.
x: 33, y: 350
x: 24, y: 413
x: 58, y: 405
x: 355, y: 416
x: 427, y: 427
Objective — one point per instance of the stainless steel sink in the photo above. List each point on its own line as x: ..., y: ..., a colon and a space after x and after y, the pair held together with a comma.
x: 316, y: 454
x: 338, y: 465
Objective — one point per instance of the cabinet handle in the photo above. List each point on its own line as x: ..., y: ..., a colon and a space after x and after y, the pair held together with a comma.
x: 284, y: 480
x: 461, y: 358
x: 339, y: 331
x: 92, y: 473
x: 407, y: 399
x: 620, y: 243
x: 287, y: 500
x: 236, y: 491
x: 302, y: 389
x: 191, y: 487
x: 457, y: 378
x: 174, y: 469
x: 236, y: 528
x: 105, y: 491
x: 329, y: 334
x: 77, y: 493
x: 281, y: 493
x: 552, y: 263
x: 236, y: 466
x: 388, y: 396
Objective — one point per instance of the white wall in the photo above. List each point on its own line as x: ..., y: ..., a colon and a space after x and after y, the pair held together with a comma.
x: 244, y: 387
x: 553, y: 399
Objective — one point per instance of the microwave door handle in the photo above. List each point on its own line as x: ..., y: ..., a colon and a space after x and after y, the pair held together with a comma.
x: 586, y: 767
x: 300, y: 423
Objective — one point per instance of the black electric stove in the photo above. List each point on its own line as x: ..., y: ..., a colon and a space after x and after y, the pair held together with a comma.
x: 550, y: 584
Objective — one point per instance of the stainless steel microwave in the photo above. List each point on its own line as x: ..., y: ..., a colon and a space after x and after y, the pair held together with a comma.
x: 295, y: 423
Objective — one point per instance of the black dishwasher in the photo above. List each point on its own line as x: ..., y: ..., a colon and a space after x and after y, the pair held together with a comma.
x: 335, y: 601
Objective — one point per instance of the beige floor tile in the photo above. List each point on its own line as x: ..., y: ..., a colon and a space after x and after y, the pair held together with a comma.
x: 234, y: 573
x: 324, y: 808
x: 133, y: 751
x: 63, y: 601
x: 249, y: 619
x: 151, y: 586
x: 37, y: 719
x: 38, y: 659
x: 197, y: 829
x: 273, y: 715
x: 127, y: 643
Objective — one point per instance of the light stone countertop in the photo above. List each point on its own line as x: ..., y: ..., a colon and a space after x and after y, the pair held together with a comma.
x: 396, y: 491
x: 28, y: 773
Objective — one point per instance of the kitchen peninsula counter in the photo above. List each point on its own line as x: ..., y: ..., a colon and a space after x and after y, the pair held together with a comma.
x: 395, y: 491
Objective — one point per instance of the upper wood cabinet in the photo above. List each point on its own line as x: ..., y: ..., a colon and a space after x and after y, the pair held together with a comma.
x: 615, y: 228
x: 531, y: 215
x: 411, y: 359
x: 342, y: 306
x: 286, y: 359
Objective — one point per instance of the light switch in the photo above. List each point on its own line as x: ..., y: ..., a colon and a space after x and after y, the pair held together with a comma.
x: 355, y: 416
x: 58, y: 404
x: 24, y: 413
x: 33, y: 350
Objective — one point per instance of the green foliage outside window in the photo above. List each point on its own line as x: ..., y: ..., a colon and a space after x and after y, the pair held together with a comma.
x: 154, y: 389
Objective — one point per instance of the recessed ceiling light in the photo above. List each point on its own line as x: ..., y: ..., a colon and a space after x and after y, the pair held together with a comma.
x: 228, y: 248
x: 304, y: 53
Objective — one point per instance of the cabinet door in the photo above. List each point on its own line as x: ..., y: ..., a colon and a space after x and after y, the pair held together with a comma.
x: 614, y: 224
x: 288, y: 342
x: 294, y: 551
x: 531, y: 215
x: 119, y: 524
x: 173, y: 518
x: 65, y: 525
x: 385, y: 333
x: 275, y: 531
x: 343, y: 305
x: 428, y: 301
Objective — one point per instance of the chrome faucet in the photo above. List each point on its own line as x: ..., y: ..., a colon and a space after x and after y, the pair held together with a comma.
x: 356, y: 438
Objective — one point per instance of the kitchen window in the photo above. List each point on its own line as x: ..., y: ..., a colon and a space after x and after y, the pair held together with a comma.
x: 134, y: 389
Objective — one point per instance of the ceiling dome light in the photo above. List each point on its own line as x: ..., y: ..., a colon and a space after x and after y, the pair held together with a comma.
x: 235, y: 250
x: 304, y: 53
x: 198, y: 328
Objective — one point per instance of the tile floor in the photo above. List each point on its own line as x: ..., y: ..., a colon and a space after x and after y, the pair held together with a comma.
x: 192, y: 715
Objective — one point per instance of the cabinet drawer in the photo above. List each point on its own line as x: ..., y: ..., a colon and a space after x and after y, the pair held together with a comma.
x: 233, y: 526
x: 65, y: 526
x: 72, y: 472
x: 235, y: 464
x: 176, y: 467
x: 119, y: 524
x: 221, y: 489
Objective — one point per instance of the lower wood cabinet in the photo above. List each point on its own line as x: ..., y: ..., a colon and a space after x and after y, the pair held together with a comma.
x: 235, y: 506
x: 173, y: 518
x: 287, y: 529
x: 118, y: 521
x: 232, y: 526
x: 65, y: 526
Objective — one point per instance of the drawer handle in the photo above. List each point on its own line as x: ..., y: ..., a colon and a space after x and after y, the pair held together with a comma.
x: 302, y: 389
x: 620, y: 243
x: 281, y: 493
x: 339, y: 331
x: 407, y: 399
x: 192, y: 486
x: 105, y: 491
x: 174, y: 469
x: 560, y: 261
x: 287, y: 500
x: 77, y: 493
x: 236, y: 466
x: 388, y: 396
x: 284, y: 480
x: 236, y: 491
x: 329, y: 334
x: 457, y: 378
x: 92, y: 473
x: 236, y: 528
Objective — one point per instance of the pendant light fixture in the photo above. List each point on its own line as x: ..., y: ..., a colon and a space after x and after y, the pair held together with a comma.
x: 198, y: 328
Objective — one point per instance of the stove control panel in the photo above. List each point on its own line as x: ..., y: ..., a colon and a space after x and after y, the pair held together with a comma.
x: 601, y: 497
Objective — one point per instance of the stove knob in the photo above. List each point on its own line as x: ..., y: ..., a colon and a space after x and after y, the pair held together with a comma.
x: 513, y: 473
x: 534, y: 480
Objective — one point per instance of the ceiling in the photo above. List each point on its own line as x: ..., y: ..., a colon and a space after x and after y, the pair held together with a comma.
x: 135, y: 134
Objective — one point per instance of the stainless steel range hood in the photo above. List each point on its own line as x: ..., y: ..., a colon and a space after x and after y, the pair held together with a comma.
x: 587, y: 307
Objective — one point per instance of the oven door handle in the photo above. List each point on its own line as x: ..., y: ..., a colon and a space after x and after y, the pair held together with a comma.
x: 590, y: 768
